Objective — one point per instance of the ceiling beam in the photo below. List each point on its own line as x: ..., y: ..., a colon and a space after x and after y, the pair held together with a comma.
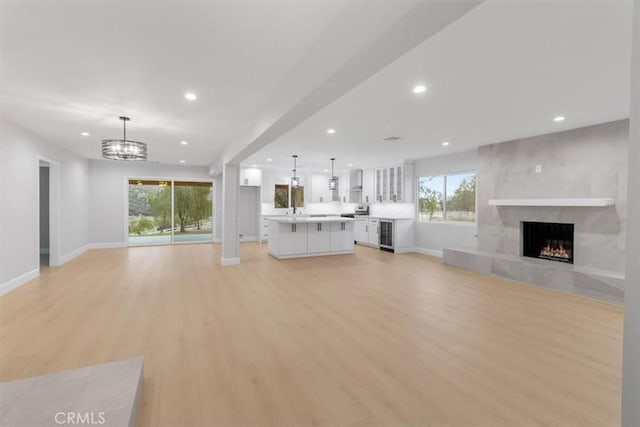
x: 322, y: 76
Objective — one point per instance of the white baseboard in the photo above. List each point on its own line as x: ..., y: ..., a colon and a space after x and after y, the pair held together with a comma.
x: 249, y: 239
x: 229, y: 261
x: 44, y: 251
x: 71, y: 255
x: 403, y: 250
x: 18, y: 281
x: 431, y: 252
x: 107, y: 245
x: 217, y: 240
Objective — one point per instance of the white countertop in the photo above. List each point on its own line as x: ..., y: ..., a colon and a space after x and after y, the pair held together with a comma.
x: 307, y: 219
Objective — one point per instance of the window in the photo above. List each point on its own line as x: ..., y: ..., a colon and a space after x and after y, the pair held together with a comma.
x: 149, y: 211
x: 447, y: 198
x: 165, y: 211
x: 192, y: 203
x: 297, y: 195
x: 281, y: 196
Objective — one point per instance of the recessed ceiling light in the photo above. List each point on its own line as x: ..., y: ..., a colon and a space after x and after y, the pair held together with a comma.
x: 325, y: 170
x: 190, y: 96
x: 254, y: 166
x: 419, y: 89
x: 350, y: 164
x: 85, y: 134
x: 445, y: 144
x: 184, y: 142
x: 331, y: 131
x: 558, y: 119
x: 181, y: 161
x: 269, y: 160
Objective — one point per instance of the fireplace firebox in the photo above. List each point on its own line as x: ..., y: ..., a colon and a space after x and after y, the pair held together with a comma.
x: 548, y: 240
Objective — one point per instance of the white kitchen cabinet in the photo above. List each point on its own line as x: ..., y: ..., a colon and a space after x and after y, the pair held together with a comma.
x: 318, y: 237
x: 292, y: 238
x: 344, y: 187
x: 368, y: 231
x: 251, y: 176
x: 362, y: 230
x: 373, y: 232
x: 342, y: 236
x: 320, y: 192
x: 402, y: 187
x: 368, y: 186
x: 303, y: 237
x: 264, y: 230
x: 394, y: 183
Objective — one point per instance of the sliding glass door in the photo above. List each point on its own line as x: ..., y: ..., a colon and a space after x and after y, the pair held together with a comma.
x: 149, y: 211
x: 192, y: 203
x: 166, y: 211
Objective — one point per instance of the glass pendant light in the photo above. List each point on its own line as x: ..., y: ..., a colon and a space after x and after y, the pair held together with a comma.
x: 295, y: 181
x: 334, y: 180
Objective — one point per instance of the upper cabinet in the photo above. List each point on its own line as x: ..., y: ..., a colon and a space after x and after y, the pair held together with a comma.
x: 344, y: 188
x: 251, y: 176
x: 368, y: 186
x: 320, y: 192
x: 394, y: 183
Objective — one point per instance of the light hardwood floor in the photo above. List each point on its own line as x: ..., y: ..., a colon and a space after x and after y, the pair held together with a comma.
x: 374, y: 339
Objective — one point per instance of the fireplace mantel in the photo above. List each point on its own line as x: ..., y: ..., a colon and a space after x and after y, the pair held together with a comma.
x: 553, y: 202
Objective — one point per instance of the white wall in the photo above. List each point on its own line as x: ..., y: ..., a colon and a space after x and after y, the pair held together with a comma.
x: 19, y: 182
x: 107, y: 199
x: 433, y: 237
x: 44, y: 209
x: 217, y: 208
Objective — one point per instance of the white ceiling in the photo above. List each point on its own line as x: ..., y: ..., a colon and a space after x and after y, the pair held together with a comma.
x: 501, y: 72
x: 72, y: 66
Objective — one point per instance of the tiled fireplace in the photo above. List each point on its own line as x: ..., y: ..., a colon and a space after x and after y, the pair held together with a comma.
x: 573, y: 248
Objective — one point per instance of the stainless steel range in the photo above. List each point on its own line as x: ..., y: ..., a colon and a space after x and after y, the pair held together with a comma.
x: 360, y: 211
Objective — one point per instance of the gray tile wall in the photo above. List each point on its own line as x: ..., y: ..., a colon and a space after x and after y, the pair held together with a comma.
x: 581, y: 163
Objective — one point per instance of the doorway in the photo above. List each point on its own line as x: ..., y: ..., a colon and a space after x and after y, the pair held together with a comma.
x: 44, y: 209
x: 249, y: 213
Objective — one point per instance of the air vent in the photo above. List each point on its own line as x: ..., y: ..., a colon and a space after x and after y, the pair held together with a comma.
x: 393, y: 139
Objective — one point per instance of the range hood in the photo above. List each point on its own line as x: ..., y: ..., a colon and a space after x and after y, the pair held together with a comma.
x: 355, y: 179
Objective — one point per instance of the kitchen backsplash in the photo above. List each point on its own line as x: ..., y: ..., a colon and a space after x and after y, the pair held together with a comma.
x: 393, y: 210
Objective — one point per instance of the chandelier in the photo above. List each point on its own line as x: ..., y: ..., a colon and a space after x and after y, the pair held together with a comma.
x: 124, y: 149
x: 334, y: 180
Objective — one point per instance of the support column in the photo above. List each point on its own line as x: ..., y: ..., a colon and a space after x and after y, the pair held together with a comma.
x: 631, y: 363
x: 230, y: 241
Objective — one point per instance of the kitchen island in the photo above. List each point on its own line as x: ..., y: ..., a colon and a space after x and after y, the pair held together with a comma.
x: 295, y: 237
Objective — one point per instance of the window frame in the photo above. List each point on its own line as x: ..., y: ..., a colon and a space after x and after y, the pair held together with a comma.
x: 128, y: 178
x: 445, y: 194
x: 291, y: 193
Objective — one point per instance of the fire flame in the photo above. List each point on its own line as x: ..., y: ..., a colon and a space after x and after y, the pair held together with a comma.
x: 555, y: 252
